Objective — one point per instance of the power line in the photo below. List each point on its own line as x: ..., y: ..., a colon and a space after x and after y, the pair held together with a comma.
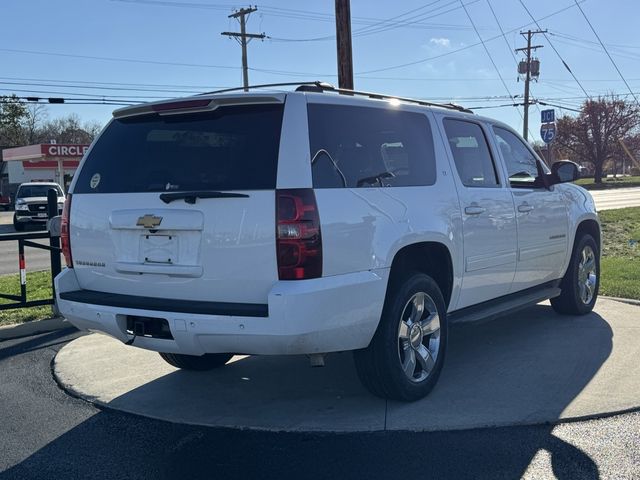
x: 67, y: 101
x: 89, y: 87
x: 80, y: 94
x: 578, y: 39
x: 512, y: 56
x: 497, y: 106
x: 486, y: 49
x: 607, y: 52
x: 593, y: 47
x: 304, y: 15
x: 502, y: 32
x: 397, y: 17
x: 466, y: 47
x: 115, y: 59
x: 198, y: 88
x: 419, y: 18
x: 553, y: 46
x: 560, y: 106
x: 391, y: 23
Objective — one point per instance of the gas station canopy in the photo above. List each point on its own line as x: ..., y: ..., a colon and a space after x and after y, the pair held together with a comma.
x: 46, y: 161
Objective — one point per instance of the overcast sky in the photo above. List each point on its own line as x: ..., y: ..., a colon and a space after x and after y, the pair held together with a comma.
x: 426, y: 49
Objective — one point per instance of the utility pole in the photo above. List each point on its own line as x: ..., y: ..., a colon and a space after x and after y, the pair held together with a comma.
x: 242, y: 15
x: 629, y: 154
x: 343, y: 41
x: 529, y: 69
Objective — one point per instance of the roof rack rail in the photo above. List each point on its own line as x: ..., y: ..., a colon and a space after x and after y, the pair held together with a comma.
x: 269, y: 85
x: 319, y: 87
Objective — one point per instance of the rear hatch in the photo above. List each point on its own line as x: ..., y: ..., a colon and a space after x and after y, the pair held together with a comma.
x: 177, y: 204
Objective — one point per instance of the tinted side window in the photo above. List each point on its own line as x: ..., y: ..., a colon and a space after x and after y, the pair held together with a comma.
x: 368, y: 147
x: 471, y: 153
x: 230, y: 148
x: 522, y: 166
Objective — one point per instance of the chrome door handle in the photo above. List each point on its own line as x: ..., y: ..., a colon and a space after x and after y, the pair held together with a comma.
x: 525, y: 207
x: 474, y: 210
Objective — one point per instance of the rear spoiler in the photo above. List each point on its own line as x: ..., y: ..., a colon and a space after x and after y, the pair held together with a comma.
x: 194, y: 105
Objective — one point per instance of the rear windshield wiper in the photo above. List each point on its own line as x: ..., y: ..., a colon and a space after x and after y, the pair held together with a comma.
x: 190, y: 197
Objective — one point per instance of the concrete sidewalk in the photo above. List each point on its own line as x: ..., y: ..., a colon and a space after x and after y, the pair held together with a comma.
x: 532, y: 367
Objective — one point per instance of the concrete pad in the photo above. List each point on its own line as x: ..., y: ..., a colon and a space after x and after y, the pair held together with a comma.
x: 531, y: 367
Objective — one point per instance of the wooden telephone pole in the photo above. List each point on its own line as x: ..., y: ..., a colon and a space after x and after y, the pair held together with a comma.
x: 528, y: 74
x: 242, y: 15
x: 343, y: 41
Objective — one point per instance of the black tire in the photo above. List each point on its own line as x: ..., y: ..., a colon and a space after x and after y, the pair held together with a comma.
x: 380, y: 365
x: 18, y: 227
x: 207, y: 361
x: 572, y: 300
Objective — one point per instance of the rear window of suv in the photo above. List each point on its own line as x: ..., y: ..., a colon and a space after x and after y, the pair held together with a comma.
x: 230, y: 148
x: 357, y: 147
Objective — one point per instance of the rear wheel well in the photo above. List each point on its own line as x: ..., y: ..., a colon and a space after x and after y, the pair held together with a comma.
x: 430, y: 258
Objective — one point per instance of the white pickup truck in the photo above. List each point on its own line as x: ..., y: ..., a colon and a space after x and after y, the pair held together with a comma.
x: 310, y: 221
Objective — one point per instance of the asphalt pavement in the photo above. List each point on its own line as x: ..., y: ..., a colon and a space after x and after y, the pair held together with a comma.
x: 45, y: 433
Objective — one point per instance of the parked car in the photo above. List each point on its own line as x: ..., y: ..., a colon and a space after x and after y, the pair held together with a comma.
x: 5, y: 202
x: 310, y: 222
x: 31, y: 204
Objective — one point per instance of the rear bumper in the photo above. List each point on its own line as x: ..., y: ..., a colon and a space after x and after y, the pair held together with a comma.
x: 308, y: 316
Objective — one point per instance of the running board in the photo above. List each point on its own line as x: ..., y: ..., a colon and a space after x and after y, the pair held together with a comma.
x: 507, y: 304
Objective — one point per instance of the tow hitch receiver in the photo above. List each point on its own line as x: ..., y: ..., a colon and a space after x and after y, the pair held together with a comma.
x: 148, y: 327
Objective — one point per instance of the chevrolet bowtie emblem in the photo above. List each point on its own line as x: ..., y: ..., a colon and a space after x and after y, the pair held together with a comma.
x: 149, y: 221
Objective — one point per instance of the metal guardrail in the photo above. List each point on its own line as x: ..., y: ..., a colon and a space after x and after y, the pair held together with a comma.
x: 26, y: 240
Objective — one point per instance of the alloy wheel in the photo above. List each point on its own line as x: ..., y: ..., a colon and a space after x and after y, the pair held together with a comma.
x: 419, y: 337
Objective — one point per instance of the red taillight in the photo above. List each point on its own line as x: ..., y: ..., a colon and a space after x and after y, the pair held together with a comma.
x: 64, y: 232
x: 298, y: 239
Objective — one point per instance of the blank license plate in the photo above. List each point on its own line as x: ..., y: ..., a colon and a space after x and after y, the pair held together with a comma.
x: 159, y: 249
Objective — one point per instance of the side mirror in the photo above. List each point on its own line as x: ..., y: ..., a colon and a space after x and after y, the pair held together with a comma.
x: 564, y: 171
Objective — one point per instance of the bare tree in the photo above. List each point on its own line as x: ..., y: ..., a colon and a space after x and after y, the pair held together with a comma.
x: 36, y: 117
x: 69, y: 129
x: 593, y: 136
x: 93, y: 128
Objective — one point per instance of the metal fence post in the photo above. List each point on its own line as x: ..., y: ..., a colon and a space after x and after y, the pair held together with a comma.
x: 23, y: 272
x: 54, y: 242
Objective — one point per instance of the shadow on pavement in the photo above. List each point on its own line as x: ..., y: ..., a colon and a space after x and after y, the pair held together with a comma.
x: 525, y: 368
x: 10, y: 348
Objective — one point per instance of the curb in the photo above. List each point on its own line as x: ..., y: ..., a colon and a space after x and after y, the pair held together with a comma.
x: 622, y: 300
x: 27, y: 329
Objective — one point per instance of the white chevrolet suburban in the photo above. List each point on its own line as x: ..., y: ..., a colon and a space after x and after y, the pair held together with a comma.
x: 314, y: 221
